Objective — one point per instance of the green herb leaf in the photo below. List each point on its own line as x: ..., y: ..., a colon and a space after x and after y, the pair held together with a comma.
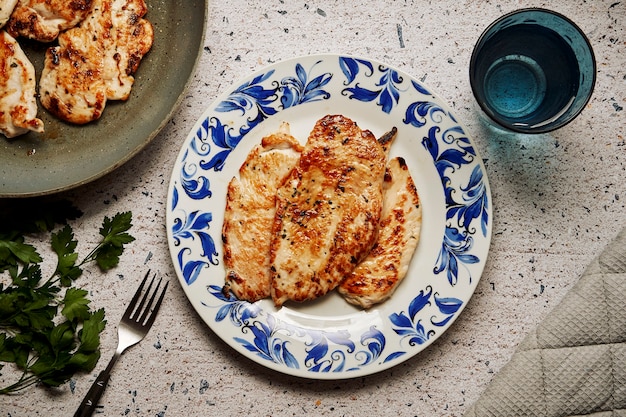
x: 75, y: 304
x: 64, y: 246
x: 61, y: 338
x: 113, y: 230
x: 115, y: 237
x: 84, y: 362
x: 90, y: 333
x: 15, y: 250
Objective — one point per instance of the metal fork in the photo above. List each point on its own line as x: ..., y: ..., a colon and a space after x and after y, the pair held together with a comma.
x: 134, y: 325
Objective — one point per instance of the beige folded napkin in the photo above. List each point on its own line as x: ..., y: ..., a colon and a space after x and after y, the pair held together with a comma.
x: 574, y: 362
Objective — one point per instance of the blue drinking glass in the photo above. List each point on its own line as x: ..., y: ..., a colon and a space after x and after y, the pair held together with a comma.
x: 532, y: 71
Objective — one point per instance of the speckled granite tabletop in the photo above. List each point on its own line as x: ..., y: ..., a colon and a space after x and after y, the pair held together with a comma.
x: 558, y: 200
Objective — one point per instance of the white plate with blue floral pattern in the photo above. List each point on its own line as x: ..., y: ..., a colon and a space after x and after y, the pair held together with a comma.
x: 329, y: 338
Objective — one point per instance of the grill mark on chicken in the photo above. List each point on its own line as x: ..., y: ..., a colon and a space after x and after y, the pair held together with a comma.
x: 376, y: 278
x: 96, y: 60
x: 43, y: 20
x: 328, y: 210
x: 249, y: 214
x: 18, y: 104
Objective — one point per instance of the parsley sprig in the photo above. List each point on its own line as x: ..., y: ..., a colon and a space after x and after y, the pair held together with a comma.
x: 47, y: 329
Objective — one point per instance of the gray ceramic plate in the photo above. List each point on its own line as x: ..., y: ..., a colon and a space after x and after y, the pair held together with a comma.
x: 67, y: 156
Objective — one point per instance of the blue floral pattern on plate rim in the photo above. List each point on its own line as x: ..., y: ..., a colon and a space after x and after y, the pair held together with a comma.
x: 329, y: 339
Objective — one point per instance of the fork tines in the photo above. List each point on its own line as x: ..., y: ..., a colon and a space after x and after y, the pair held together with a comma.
x: 144, y: 314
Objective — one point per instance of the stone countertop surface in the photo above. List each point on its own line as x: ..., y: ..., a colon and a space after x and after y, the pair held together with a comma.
x: 558, y: 199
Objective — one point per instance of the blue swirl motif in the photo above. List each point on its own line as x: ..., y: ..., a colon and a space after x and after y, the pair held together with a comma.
x: 253, y: 100
x: 388, y: 93
x: 211, y: 137
x: 211, y: 133
x: 451, y: 151
x: 408, y: 326
x: 301, y: 89
x: 239, y: 312
x: 419, y: 113
x: 329, y: 351
x: 195, y: 225
x: 266, y: 342
x: 325, y: 351
x: 258, y: 102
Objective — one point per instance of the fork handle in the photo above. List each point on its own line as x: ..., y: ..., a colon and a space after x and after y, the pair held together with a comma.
x: 89, y: 403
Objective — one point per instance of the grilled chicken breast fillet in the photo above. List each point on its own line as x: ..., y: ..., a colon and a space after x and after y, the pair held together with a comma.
x: 249, y: 214
x: 327, y: 211
x: 6, y: 8
x: 18, y: 103
x: 133, y: 38
x: 72, y: 85
x: 96, y: 60
x: 43, y: 20
x: 379, y: 274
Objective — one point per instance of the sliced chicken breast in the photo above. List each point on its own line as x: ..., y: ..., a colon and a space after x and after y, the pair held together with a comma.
x: 132, y: 40
x: 379, y: 274
x: 18, y: 103
x: 72, y: 85
x: 95, y: 61
x: 43, y: 20
x: 328, y: 210
x: 249, y: 214
x: 6, y: 8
